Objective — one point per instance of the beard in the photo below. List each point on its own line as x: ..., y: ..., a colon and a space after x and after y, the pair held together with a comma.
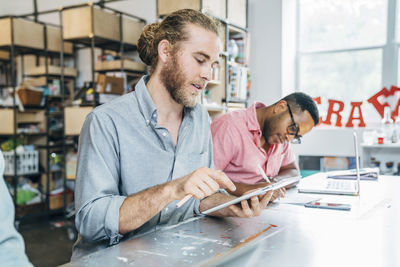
x: 174, y: 79
x: 269, y: 129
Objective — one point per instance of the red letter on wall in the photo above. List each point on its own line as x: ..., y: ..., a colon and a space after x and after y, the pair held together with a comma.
x: 355, y: 105
x: 379, y: 100
x: 337, y: 112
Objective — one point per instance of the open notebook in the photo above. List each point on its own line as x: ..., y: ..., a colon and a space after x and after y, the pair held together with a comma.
x: 319, y: 182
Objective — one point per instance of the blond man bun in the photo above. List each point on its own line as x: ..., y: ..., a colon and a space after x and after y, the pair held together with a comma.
x: 146, y: 43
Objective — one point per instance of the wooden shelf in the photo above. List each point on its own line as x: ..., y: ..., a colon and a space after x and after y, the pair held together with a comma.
x: 397, y: 145
x: 116, y: 65
x: 235, y: 30
x: 52, y: 70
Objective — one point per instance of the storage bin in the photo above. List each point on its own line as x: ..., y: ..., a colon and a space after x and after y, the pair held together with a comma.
x: 57, y: 201
x: 214, y: 7
x: 237, y: 11
x: 74, y: 117
x: 26, y: 33
x: 4, y: 55
x: 53, y: 41
x: 83, y: 23
x: 27, y: 162
x: 30, y: 97
x: 7, y: 119
x: 131, y: 30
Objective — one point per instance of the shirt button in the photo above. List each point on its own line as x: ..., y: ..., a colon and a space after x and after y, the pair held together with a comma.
x: 147, y: 121
x: 164, y: 134
x: 154, y: 115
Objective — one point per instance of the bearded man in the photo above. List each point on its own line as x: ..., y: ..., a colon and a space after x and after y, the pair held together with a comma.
x: 261, y: 135
x: 141, y: 153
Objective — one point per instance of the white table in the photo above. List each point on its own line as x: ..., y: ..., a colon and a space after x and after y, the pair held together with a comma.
x: 284, y: 235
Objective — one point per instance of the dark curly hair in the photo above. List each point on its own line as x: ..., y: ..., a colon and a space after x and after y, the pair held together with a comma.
x: 301, y: 101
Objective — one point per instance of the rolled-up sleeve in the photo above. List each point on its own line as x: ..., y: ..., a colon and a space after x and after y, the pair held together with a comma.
x: 210, y: 162
x: 97, y: 195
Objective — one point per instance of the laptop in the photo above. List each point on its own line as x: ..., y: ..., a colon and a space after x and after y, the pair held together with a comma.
x: 319, y: 183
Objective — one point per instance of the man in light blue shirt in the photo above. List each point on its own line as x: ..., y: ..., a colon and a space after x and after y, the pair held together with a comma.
x: 143, y: 152
x: 12, y: 249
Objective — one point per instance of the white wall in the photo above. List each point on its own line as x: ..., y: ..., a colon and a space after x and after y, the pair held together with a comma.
x: 265, y: 26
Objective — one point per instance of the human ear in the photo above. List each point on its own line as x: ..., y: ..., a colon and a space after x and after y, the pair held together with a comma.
x: 164, y: 48
x: 280, y: 106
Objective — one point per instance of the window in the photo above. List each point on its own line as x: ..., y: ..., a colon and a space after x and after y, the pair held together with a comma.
x: 347, y: 50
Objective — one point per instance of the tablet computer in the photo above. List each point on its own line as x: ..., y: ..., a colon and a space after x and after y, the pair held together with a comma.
x: 260, y: 191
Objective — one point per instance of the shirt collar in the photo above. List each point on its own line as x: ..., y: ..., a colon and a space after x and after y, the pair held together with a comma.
x: 146, y: 104
x: 251, y: 117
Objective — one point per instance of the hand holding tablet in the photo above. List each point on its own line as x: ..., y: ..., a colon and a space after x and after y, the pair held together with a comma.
x: 260, y: 191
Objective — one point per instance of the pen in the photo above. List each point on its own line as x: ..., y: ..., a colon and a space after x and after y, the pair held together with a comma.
x: 183, y: 200
x: 263, y: 173
x: 266, y: 177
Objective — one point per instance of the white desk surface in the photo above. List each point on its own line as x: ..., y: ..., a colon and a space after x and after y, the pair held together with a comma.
x: 284, y: 235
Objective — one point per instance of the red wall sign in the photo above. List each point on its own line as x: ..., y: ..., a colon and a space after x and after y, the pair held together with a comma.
x: 379, y: 101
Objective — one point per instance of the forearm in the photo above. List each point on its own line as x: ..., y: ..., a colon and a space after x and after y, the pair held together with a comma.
x: 285, y: 173
x: 139, y: 208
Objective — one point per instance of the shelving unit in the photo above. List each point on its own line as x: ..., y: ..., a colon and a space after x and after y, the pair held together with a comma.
x: 232, y: 14
x: 21, y: 36
x: 92, y: 26
x: 382, y: 153
x: 107, y: 29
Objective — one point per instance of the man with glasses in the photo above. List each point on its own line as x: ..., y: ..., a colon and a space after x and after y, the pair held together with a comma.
x: 261, y: 135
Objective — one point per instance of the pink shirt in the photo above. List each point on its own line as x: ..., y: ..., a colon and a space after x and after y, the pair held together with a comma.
x: 237, y: 151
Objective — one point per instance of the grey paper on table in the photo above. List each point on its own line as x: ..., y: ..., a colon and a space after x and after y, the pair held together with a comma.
x: 298, y: 199
x: 203, y: 241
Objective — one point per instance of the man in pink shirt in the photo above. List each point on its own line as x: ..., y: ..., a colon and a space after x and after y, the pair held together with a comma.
x: 262, y: 135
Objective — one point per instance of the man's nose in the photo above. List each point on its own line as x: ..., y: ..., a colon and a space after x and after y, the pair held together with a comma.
x: 206, y: 73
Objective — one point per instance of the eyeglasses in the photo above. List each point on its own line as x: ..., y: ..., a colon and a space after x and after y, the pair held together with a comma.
x: 293, y: 129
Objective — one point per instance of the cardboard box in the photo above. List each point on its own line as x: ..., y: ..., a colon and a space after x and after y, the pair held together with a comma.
x: 4, y: 55
x: 131, y: 30
x: 82, y: 23
x: 214, y: 7
x: 237, y: 12
x: 53, y: 41
x: 74, y: 117
x: 57, y: 201
x: 88, y: 21
x: 7, y: 119
x: 26, y: 33
x: 110, y: 85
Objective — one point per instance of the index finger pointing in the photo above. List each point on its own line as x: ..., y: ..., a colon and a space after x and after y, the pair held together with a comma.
x: 223, y: 180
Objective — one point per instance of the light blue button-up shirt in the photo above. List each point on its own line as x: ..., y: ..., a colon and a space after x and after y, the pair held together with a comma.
x: 122, y: 151
x: 12, y: 249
